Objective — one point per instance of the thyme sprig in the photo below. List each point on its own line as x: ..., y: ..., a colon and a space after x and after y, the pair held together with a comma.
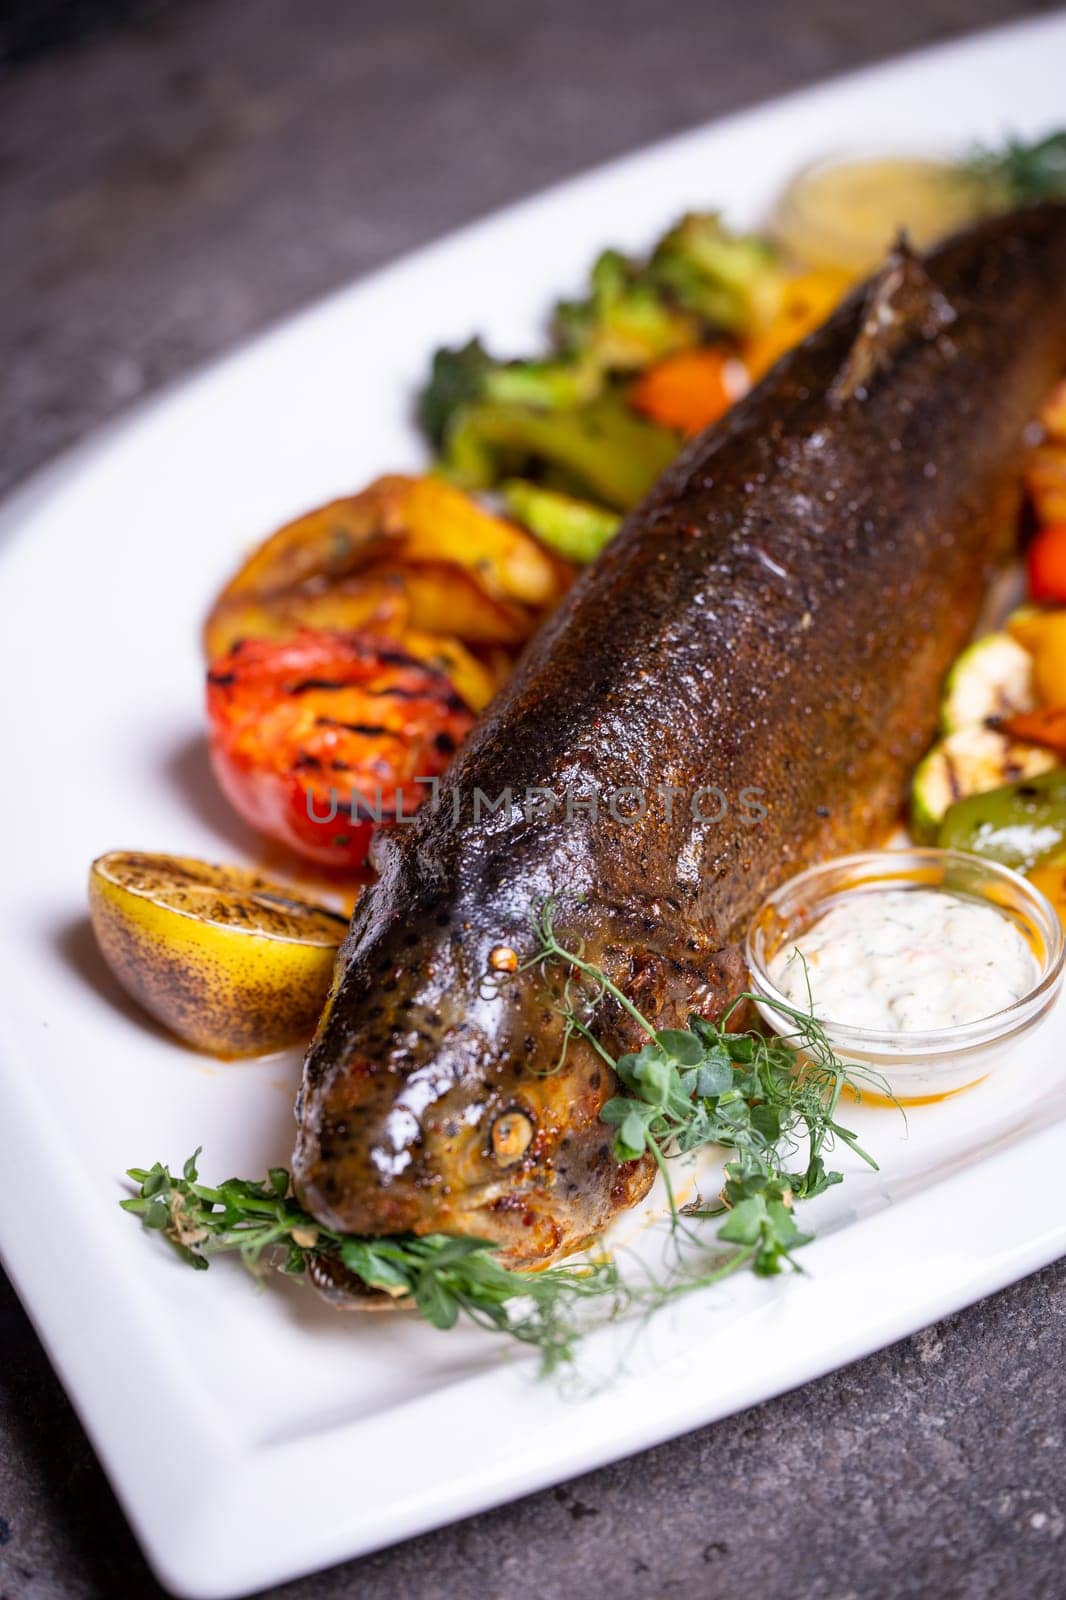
x: 442, y: 1275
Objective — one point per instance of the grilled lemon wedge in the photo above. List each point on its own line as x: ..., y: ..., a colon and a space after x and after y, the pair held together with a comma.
x: 233, y: 963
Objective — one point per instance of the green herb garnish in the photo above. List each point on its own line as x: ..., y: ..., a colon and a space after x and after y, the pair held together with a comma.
x: 765, y: 1098
x: 443, y: 1276
x: 1021, y: 173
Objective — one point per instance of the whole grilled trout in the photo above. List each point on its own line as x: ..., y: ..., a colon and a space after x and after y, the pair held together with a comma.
x: 739, y: 687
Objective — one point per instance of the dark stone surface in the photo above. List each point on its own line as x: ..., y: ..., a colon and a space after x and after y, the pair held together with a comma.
x: 165, y: 191
x: 30, y: 28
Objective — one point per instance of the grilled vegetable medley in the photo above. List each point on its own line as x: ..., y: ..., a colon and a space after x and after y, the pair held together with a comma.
x: 995, y: 783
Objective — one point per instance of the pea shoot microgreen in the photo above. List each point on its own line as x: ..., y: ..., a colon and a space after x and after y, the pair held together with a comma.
x: 768, y: 1099
x: 765, y: 1097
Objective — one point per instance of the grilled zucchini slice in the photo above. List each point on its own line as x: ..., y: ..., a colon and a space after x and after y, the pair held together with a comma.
x: 969, y: 762
x: 991, y: 679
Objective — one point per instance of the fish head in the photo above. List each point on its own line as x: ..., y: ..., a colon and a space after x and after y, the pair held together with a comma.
x: 444, y: 1091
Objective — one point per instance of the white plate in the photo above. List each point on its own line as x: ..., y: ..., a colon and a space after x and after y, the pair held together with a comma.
x: 252, y: 1436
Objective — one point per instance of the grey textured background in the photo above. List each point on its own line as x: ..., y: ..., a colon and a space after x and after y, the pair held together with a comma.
x: 165, y: 190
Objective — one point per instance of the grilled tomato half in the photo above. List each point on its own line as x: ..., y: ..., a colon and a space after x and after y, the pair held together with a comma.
x: 319, y: 738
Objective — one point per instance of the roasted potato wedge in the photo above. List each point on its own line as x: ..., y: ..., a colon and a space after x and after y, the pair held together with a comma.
x: 325, y: 544
x: 337, y: 567
x: 444, y: 524
x: 449, y: 599
x: 382, y: 599
x: 380, y: 608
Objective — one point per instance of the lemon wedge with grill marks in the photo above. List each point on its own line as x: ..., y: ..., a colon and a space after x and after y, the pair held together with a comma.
x: 233, y: 963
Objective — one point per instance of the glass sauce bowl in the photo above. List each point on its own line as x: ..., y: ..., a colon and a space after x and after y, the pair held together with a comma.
x: 933, y: 1063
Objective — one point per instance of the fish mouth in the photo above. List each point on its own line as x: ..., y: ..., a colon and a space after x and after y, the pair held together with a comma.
x: 439, y: 1185
x: 520, y: 1161
x: 446, y: 1100
x: 476, y: 1217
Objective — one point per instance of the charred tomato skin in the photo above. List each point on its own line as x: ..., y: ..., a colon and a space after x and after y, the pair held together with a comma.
x: 318, y: 739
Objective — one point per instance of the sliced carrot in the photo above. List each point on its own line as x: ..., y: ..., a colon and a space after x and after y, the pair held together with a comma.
x: 1046, y: 727
x: 690, y: 389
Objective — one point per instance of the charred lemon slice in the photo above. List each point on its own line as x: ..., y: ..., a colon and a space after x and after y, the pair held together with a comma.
x: 233, y: 963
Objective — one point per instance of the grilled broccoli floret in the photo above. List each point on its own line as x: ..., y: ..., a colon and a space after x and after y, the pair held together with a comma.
x: 468, y: 375
x: 625, y: 321
x: 564, y: 423
x: 700, y: 280
x: 456, y: 379
x: 731, y: 281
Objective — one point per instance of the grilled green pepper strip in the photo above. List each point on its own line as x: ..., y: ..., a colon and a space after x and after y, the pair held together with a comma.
x: 1019, y: 824
x: 577, y: 530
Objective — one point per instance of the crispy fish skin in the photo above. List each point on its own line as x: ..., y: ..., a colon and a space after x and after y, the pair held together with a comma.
x: 776, y: 617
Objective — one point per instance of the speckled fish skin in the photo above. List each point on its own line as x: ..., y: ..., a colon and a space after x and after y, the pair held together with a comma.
x: 777, y: 616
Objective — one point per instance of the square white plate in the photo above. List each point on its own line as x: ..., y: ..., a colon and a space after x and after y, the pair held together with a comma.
x: 253, y: 1436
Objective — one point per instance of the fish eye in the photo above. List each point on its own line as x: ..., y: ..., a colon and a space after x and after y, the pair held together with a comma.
x: 511, y: 1136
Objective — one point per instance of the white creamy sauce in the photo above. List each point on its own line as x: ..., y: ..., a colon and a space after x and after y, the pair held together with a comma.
x: 905, y: 960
